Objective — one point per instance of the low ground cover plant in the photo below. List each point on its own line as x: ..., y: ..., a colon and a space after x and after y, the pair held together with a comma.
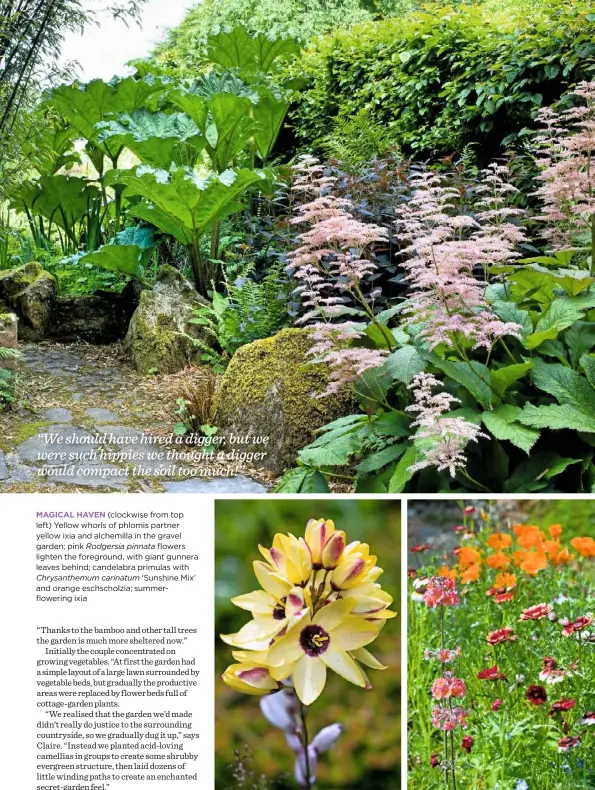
x: 500, y: 661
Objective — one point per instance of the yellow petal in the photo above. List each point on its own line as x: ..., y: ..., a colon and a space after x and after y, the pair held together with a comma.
x: 342, y: 663
x: 270, y: 581
x: 309, y: 677
x: 286, y: 649
x: 331, y: 615
x: 255, y: 635
x: 259, y: 602
x: 256, y: 657
x: 282, y: 672
x: 366, y: 658
x: 353, y: 633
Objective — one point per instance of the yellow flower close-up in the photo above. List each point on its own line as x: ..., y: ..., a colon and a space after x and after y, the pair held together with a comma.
x: 319, y: 606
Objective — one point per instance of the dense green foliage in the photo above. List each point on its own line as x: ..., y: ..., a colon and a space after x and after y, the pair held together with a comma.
x: 183, y: 50
x: 447, y: 76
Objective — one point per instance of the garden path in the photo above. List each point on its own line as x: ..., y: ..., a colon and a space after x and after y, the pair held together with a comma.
x: 92, y: 400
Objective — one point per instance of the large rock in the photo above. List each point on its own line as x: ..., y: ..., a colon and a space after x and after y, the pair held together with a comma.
x: 30, y: 291
x: 160, y: 335
x: 271, y: 389
x: 8, y: 338
x: 95, y: 318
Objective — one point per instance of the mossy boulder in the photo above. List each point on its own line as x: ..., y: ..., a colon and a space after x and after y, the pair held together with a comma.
x: 8, y: 337
x: 160, y: 335
x: 30, y: 292
x: 272, y: 389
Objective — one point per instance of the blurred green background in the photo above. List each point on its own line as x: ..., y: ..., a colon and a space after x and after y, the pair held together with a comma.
x: 368, y: 754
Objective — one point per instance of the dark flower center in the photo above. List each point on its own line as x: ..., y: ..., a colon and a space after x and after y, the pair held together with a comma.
x: 314, y: 640
x: 279, y: 610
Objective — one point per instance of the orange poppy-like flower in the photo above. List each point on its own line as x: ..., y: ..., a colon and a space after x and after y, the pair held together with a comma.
x: 584, y: 546
x: 519, y: 556
x: 555, y: 531
x: 506, y: 580
x: 470, y: 574
x: 499, y: 540
x: 528, y: 536
x: 468, y: 556
x: 562, y: 557
x: 498, y: 561
x: 533, y: 563
x: 447, y: 573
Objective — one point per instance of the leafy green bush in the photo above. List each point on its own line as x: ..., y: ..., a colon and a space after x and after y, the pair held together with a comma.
x: 448, y: 75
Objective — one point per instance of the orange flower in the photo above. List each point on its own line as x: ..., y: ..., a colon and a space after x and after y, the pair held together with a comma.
x: 499, y: 561
x: 534, y: 562
x: 470, y: 574
x: 552, y: 548
x: 519, y: 556
x: 562, y: 557
x: 505, y: 580
x: 499, y: 541
x: 528, y: 536
x: 555, y: 531
x: 584, y: 546
x: 447, y: 573
x: 468, y: 556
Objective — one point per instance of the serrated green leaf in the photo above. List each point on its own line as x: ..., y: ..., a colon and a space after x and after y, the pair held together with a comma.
x: 122, y: 259
x: 403, y: 474
x: 566, y: 385
x: 404, y: 363
x: 472, y: 375
x: 509, y: 312
x: 503, y: 378
x: 389, y: 423
x: 535, y: 339
x: 335, y: 453
x: 562, y: 313
x: 556, y: 417
x: 502, y: 423
x: 587, y: 363
x: 580, y: 339
x: 383, y: 457
x: 533, y: 474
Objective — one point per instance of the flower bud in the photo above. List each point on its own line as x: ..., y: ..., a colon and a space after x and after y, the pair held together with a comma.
x: 333, y: 551
x: 281, y: 710
x: 318, y: 534
x: 327, y: 738
x: 300, y: 767
x: 348, y: 572
x: 249, y: 679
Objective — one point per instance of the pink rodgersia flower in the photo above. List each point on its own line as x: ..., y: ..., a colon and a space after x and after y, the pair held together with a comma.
x: 444, y: 249
x: 332, y: 265
x: 448, y: 719
x: 448, y: 436
x: 566, y: 147
x: 441, y: 592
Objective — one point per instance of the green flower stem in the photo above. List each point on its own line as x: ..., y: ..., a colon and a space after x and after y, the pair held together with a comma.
x: 305, y: 744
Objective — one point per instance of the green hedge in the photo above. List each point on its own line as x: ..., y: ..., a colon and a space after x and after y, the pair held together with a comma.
x: 448, y: 75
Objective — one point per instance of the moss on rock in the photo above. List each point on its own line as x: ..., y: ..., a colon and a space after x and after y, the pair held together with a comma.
x: 272, y: 389
x: 30, y: 291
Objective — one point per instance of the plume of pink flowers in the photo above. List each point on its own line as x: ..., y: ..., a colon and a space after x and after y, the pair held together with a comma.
x: 447, y: 253
x: 566, y: 156
x: 331, y: 265
x: 443, y: 438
